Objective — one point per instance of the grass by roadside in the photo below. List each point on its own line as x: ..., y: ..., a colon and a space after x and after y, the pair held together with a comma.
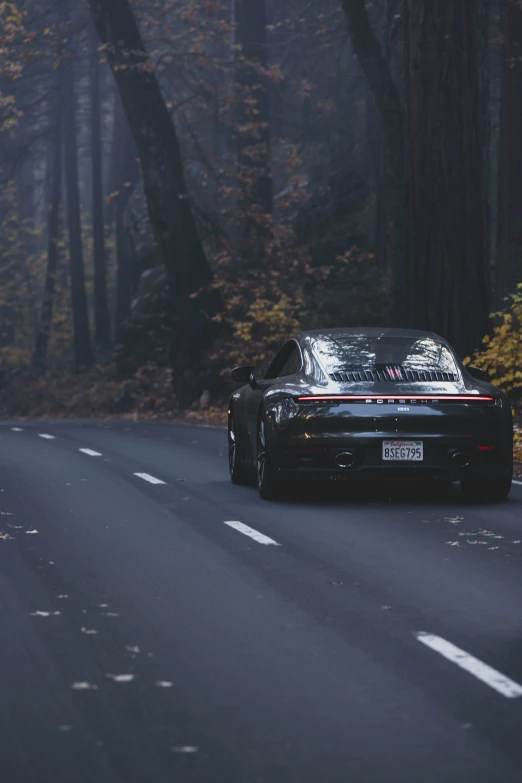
x: 97, y: 393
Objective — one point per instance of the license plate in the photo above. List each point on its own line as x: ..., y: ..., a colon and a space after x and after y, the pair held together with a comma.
x: 402, y: 450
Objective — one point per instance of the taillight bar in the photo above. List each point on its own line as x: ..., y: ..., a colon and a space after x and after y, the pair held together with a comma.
x: 393, y: 397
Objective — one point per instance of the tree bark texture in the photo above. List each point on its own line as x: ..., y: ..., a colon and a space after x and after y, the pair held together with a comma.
x: 447, y: 237
x: 53, y: 236
x: 387, y: 99
x: 102, y: 321
x: 253, y: 102
x: 509, y: 223
x: 125, y: 170
x: 164, y: 179
x: 83, y: 356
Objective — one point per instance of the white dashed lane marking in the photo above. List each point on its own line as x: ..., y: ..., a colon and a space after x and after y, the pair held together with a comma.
x: 149, y: 478
x: 46, y: 437
x: 251, y: 533
x: 90, y: 452
x: 17, y: 429
x: 486, y: 674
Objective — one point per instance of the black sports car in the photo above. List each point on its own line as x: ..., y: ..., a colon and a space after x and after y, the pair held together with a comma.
x: 370, y: 403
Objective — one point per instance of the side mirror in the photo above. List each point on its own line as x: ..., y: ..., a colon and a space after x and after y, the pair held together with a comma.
x: 245, y: 374
x: 476, y: 372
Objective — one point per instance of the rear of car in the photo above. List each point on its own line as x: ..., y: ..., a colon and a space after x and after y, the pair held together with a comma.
x: 393, y: 404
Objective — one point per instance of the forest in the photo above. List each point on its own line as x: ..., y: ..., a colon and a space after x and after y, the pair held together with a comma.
x: 186, y: 183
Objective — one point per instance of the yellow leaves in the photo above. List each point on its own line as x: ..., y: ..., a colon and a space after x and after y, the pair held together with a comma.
x: 10, y: 15
x: 327, y: 106
x: 501, y: 355
x: 112, y: 197
x: 306, y: 89
x: 276, y: 74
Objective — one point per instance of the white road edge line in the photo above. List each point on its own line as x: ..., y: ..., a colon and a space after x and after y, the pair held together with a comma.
x: 46, y: 437
x: 499, y: 682
x: 517, y: 482
x: 91, y: 453
x: 251, y: 533
x: 149, y: 478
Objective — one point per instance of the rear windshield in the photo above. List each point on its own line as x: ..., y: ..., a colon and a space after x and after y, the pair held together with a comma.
x: 354, y: 352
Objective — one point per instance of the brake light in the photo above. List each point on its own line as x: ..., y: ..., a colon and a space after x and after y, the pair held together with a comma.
x: 393, y: 398
x: 486, y: 448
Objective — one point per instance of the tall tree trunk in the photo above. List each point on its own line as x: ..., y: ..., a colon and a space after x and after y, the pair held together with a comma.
x: 164, y: 179
x: 102, y: 329
x: 124, y: 171
x: 509, y: 223
x: 378, y: 74
x: 25, y: 189
x: 82, y: 339
x: 253, y: 131
x: 53, y: 231
x: 377, y: 161
x: 447, y: 248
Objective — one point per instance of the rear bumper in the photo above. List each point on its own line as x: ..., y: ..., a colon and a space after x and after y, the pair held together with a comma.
x: 302, y: 456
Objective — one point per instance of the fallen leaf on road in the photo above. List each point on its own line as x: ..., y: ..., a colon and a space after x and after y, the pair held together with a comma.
x: 516, y: 542
x: 110, y: 614
x: 84, y: 686
x: 478, y: 542
x: 453, y: 520
x: 5, y: 537
x: 120, y: 677
x: 31, y: 532
x: 163, y: 684
x: 63, y: 595
x: 89, y: 631
x: 15, y: 527
x: 6, y: 513
x: 452, y: 543
x: 104, y: 606
x: 38, y: 613
x: 132, y: 649
x: 493, y: 547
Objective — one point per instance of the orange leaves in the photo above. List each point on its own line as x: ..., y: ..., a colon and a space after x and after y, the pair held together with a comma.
x: 306, y: 88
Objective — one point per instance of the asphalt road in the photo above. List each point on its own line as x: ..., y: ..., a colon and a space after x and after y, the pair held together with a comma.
x: 375, y: 638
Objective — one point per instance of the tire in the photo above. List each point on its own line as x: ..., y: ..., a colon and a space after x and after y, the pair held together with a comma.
x: 238, y: 474
x: 492, y: 489
x: 268, y: 483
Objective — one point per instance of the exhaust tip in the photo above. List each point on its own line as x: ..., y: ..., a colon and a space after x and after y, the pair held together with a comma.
x: 461, y: 459
x: 345, y: 460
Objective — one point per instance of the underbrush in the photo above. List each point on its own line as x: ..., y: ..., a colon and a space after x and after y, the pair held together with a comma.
x: 97, y: 393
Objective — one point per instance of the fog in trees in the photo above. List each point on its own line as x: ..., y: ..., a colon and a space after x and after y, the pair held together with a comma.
x: 186, y: 183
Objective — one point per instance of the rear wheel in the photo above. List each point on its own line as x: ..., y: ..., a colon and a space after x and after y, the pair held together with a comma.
x: 486, y: 488
x: 237, y: 471
x: 268, y: 483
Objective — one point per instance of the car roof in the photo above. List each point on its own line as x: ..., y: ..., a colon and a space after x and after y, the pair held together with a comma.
x: 369, y: 331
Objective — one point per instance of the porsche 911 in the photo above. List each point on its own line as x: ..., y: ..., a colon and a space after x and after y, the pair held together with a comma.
x: 360, y: 404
